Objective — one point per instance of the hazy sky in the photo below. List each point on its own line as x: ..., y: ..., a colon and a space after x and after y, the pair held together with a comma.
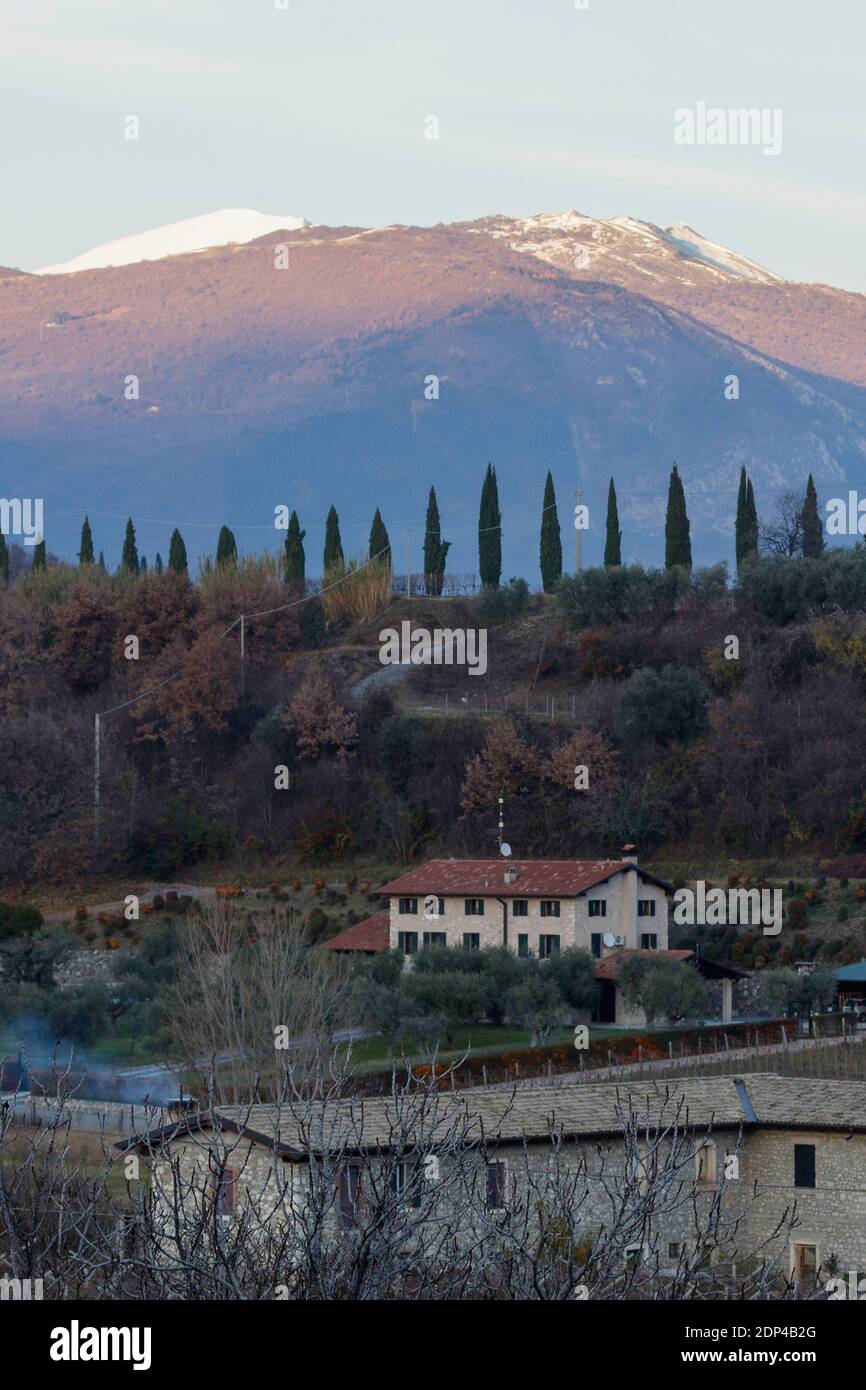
x: 319, y: 110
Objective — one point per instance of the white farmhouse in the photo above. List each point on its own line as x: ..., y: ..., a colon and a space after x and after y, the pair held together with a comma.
x: 533, y: 906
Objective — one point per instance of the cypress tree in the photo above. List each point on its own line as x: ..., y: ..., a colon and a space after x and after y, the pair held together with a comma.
x: 380, y: 545
x: 333, y: 560
x: 85, y: 550
x: 142, y: 565
x: 613, y: 539
x: 227, y: 550
x: 813, y: 530
x: 129, y: 558
x: 40, y: 559
x: 4, y: 560
x: 102, y: 561
x: 435, y: 549
x: 751, y: 520
x: 295, y: 560
x: 550, y: 556
x: 177, y: 553
x: 158, y: 566
x: 678, y: 545
x: 741, y: 526
x: 490, y: 532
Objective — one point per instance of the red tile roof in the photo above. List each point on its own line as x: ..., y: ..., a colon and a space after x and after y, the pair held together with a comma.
x: 608, y: 968
x: 373, y: 934
x: 562, y: 878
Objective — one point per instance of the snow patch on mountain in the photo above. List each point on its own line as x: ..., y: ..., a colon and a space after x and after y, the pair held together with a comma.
x: 692, y: 244
x: 239, y: 225
x: 573, y: 240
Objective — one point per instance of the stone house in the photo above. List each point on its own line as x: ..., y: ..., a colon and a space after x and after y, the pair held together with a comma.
x: 536, y: 907
x: 760, y: 1149
x: 533, y: 906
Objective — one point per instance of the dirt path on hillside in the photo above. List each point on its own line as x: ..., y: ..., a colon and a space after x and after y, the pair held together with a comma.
x: 190, y: 889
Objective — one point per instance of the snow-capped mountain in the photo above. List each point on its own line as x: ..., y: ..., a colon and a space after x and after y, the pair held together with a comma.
x: 238, y: 225
x: 597, y: 247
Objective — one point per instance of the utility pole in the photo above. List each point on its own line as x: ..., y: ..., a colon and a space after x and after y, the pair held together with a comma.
x: 577, y: 530
x: 243, y: 660
x: 97, y: 746
x: 408, y: 562
x: 96, y: 752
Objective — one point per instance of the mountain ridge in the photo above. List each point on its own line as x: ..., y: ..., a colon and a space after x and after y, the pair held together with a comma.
x: 307, y: 385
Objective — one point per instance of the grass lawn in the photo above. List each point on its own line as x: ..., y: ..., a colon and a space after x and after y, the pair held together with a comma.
x: 107, y: 1051
x: 481, y: 1039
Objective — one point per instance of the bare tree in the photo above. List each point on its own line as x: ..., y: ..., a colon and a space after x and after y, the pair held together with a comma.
x: 784, y: 536
x: 208, y: 1214
x: 250, y: 994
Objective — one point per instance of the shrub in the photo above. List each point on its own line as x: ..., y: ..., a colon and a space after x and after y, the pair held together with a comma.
x: 496, y: 605
x: 158, y: 902
x: 18, y: 921
x: 842, y: 914
x: 80, y: 914
x: 318, y: 923
x: 796, y: 911
x: 664, y: 705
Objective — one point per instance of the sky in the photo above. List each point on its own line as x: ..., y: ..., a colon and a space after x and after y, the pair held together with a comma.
x: 319, y: 109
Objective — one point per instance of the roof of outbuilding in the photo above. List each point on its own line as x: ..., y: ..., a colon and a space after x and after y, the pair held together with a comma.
x: 373, y: 934
x: 585, y: 1110
x: 608, y: 967
x: 851, y: 974
x: 562, y: 878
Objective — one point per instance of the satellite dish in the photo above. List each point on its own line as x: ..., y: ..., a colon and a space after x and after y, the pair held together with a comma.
x: 505, y: 851
x: 609, y: 939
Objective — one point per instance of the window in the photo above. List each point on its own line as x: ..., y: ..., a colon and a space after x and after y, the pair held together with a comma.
x: 595, y: 944
x: 407, y: 942
x: 406, y: 1183
x: 408, y: 905
x: 471, y: 941
x: 224, y: 1188
x: 633, y: 1256
x: 433, y: 906
x: 804, y: 1165
x: 523, y: 945
x: 350, y: 1193
x: 675, y: 1249
x: 520, y: 908
x: 597, y: 907
x: 496, y: 1186
x: 705, y: 1165
x: 649, y: 941
x: 549, y: 907
x: 548, y: 946
x: 434, y: 938
x: 474, y: 907
x: 646, y: 907
x: 805, y: 1260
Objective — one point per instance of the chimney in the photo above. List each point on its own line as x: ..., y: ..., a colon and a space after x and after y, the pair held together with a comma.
x: 628, y: 899
x: 511, y: 874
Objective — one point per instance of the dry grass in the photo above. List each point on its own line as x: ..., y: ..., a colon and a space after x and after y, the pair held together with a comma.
x: 364, y: 591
